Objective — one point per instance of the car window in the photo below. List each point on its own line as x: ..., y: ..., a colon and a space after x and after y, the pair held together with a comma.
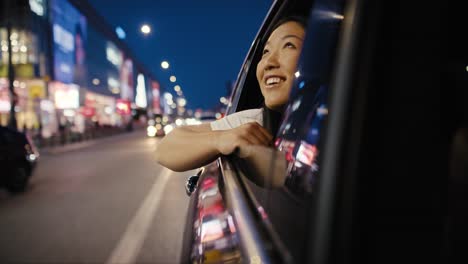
x: 302, y: 130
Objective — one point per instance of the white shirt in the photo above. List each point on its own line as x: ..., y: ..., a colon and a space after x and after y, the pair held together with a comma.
x: 237, y: 119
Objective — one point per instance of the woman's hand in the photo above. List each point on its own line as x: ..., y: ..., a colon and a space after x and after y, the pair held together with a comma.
x: 244, y: 135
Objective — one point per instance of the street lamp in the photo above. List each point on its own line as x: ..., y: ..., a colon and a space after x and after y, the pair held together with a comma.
x: 145, y: 29
x: 165, y: 65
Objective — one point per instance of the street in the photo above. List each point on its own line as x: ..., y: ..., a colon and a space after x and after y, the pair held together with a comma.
x: 106, y: 201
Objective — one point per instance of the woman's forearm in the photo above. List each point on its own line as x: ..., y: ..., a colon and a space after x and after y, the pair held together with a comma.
x: 187, y: 148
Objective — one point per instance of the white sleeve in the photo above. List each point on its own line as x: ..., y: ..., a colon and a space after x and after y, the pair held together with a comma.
x: 238, y: 119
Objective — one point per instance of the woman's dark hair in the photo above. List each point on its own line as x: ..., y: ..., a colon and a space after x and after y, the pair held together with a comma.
x: 302, y: 20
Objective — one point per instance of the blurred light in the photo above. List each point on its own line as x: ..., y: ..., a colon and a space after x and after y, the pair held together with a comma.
x: 140, y: 98
x: 96, y: 81
x: 4, y: 106
x: 179, y: 122
x: 37, y: 6
x: 158, y: 126
x: 120, y: 33
x: 16, y: 83
x: 69, y: 113
x: 218, y: 115
x: 177, y: 88
x: 108, y: 110
x: 13, y: 36
x: 113, y: 54
x: 151, y: 131
x: 172, y: 78
x: 465, y: 68
x: 145, y: 29
x: 165, y: 65
x: 165, y: 119
x: 22, y: 85
x: 297, y: 74
x: 182, y: 102
x: 173, y: 106
x: 168, y: 129
x: 23, y: 49
x: 223, y: 100
x: 301, y: 85
x: 151, y: 122
x: 4, y: 48
x: 31, y: 157
x: 47, y: 106
x: 168, y: 96
x: 158, y: 119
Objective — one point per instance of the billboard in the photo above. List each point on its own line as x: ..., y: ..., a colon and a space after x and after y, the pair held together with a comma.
x: 69, y: 35
x: 156, y: 97
x: 126, y: 80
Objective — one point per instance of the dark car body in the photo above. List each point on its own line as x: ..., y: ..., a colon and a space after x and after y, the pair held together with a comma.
x: 18, y: 159
x: 363, y: 181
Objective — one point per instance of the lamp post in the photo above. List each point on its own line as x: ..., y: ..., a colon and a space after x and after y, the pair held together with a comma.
x: 11, y: 75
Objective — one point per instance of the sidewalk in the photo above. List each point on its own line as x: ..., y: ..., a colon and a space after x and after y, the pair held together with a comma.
x: 57, y: 149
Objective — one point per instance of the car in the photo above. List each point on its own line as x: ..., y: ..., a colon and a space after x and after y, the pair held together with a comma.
x: 18, y: 158
x: 358, y: 172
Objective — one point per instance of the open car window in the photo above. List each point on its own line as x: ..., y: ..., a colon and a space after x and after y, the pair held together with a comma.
x: 301, y: 132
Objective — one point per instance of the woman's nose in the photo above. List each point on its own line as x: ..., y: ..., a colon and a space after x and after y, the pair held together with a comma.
x: 272, y: 61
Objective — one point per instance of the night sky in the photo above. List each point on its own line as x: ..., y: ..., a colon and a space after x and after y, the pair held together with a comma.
x: 205, y: 42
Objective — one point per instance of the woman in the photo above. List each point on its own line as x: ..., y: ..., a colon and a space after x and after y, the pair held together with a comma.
x: 190, y: 147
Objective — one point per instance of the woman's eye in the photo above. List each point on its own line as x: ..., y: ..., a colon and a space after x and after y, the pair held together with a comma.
x: 289, y: 45
x: 265, y: 51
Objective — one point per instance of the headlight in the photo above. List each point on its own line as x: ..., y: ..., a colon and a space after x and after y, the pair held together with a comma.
x: 168, y: 129
x: 151, y: 131
x: 31, y: 157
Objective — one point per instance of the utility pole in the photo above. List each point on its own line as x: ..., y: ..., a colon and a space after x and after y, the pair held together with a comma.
x: 11, y: 73
x: 11, y: 79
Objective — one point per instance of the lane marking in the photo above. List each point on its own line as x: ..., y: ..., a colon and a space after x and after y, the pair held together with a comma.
x: 131, y: 242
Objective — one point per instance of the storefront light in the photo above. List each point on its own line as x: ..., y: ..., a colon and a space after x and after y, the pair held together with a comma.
x: 108, y: 110
x: 68, y: 113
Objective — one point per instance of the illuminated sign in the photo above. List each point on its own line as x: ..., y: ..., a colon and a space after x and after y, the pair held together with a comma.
x: 156, y: 97
x: 37, y: 6
x: 126, y: 80
x: 65, y: 96
x: 113, y: 54
x: 140, y: 99
x: 69, y: 35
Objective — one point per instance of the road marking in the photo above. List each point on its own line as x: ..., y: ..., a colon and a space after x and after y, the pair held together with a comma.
x: 131, y: 242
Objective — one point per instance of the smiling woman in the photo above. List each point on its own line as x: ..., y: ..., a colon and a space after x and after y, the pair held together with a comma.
x: 275, y: 73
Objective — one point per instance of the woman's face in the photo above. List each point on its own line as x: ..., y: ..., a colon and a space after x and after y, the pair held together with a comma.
x: 275, y: 71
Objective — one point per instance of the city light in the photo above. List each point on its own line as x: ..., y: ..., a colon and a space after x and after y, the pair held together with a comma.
x: 177, y: 88
x: 120, y: 32
x: 96, y: 81
x: 165, y: 65
x: 172, y: 78
x: 145, y: 29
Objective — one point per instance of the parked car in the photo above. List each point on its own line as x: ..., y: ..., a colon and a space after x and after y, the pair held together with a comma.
x: 358, y: 169
x: 18, y: 159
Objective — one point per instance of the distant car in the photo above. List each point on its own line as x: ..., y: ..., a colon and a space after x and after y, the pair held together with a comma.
x: 18, y: 159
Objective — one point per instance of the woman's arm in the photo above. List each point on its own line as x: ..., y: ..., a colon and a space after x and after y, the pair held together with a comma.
x: 190, y: 147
